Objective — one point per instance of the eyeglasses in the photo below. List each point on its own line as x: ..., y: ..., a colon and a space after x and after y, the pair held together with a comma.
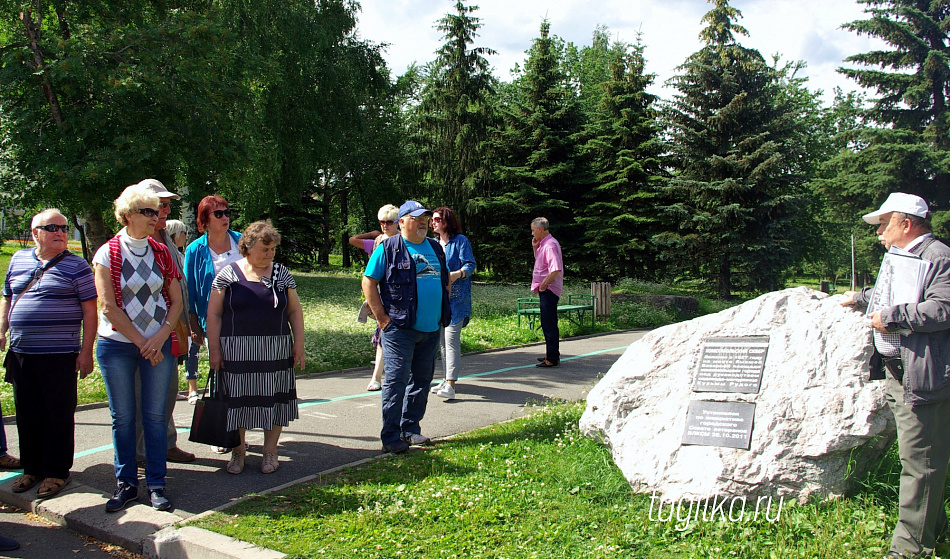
x: 423, y: 218
x: 52, y: 228
x: 149, y: 212
x: 437, y: 219
x: 222, y: 213
x: 386, y: 221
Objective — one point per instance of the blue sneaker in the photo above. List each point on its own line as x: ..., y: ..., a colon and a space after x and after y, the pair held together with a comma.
x: 396, y: 447
x: 8, y: 544
x: 124, y: 493
x: 159, y: 500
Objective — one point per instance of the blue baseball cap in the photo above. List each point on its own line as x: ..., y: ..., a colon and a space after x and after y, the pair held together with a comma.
x: 412, y: 209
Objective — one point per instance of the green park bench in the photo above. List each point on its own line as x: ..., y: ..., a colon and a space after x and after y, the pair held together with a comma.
x: 578, y: 305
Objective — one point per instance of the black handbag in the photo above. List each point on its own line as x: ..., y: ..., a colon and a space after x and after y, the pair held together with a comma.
x: 209, y: 423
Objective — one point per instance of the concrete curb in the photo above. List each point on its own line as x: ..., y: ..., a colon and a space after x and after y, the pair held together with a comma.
x: 137, y: 528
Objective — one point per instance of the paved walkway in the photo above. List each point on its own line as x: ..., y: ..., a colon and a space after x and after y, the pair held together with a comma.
x: 339, y: 425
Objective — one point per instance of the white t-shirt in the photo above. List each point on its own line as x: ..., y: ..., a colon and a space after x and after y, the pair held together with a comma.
x: 153, y: 306
x: 220, y: 261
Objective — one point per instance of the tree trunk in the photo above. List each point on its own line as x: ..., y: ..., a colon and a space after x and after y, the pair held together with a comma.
x: 96, y: 231
x: 344, y: 219
x: 324, y: 259
x: 725, y: 278
x: 32, y: 30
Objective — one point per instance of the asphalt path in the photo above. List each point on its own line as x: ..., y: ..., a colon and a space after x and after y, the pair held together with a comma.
x: 339, y: 424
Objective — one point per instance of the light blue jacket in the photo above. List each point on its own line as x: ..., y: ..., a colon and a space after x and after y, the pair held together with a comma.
x: 459, y: 255
x: 199, y: 273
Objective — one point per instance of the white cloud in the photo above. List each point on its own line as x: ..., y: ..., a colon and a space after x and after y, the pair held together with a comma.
x: 797, y: 29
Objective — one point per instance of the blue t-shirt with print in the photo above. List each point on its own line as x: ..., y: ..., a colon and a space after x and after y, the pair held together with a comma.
x: 428, y: 282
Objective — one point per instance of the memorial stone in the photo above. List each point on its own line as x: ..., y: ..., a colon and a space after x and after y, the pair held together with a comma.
x: 818, y: 422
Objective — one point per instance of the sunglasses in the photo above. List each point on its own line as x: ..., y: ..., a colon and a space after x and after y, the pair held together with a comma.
x: 437, y: 219
x: 164, y: 205
x: 149, y: 212
x: 222, y: 213
x: 51, y: 228
x: 386, y: 222
x: 424, y: 218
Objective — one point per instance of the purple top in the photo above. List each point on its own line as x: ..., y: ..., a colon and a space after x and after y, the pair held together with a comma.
x: 369, y: 245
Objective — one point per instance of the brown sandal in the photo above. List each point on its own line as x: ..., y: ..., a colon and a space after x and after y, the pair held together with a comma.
x: 9, y: 462
x: 25, y: 482
x: 52, y: 486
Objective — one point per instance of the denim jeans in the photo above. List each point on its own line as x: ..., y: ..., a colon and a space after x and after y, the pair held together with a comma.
x: 118, y: 362
x: 409, y: 363
x: 549, y: 325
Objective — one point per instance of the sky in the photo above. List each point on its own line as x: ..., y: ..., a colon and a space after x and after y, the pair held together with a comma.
x: 806, y: 30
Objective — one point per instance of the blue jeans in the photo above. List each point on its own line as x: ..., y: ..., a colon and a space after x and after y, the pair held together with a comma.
x: 408, y: 366
x: 118, y: 362
x: 549, y: 325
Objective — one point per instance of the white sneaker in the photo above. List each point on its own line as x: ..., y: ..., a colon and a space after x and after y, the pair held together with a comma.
x: 436, y: 388
x: 446, y: 391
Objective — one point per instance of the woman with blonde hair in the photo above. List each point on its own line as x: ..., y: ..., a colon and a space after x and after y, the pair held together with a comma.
x: 140, y: 301
x: 389, y: 223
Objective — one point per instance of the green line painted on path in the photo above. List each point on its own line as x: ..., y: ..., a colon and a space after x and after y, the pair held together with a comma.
x: 103, y: 448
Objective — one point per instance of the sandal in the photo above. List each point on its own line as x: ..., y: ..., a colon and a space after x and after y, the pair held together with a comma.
x: 193, y: 398
x: 52, y: 486
x: 9, y: 462
x: 25, y: 482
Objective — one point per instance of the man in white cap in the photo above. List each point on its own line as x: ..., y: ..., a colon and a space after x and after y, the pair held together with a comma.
x: 165, y: 197
x: 912, y: 355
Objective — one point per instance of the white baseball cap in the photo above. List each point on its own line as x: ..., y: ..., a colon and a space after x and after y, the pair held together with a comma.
x: 158, y: 188
x: 899, y: 202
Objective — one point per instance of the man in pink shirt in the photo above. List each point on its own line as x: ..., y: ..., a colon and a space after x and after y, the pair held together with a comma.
x: 547, y: 281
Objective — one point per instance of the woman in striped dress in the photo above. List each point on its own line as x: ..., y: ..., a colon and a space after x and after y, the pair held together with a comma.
x: 255, y: 332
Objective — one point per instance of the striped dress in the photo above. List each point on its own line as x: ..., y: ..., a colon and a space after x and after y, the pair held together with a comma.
x: 256, y: 342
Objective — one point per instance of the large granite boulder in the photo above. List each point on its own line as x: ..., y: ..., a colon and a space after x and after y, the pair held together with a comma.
x: 818, y: 420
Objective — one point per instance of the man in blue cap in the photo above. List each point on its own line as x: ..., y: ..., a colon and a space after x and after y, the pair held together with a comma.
x: 406, y: 287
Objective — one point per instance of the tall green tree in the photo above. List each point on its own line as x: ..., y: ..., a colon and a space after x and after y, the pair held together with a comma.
x: 735, y: 195
x: 625, y: 155
x: 455, y: 114
x: 96, y: 96
x: 313, y: 83
x: 909, y: 79
x: 536, y: 150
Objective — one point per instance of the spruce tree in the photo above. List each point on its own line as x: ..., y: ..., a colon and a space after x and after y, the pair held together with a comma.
x: 624, y: 152
x: 909, y: 150
x: 454, y: 115
x: 535, y: 149
x: 733, y: 200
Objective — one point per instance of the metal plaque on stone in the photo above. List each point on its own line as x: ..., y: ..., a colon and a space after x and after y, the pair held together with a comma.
x: 732, y: 365
x: 711, y: 423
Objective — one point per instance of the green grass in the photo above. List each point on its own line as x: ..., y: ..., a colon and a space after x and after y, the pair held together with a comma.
x: 537, y: 488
